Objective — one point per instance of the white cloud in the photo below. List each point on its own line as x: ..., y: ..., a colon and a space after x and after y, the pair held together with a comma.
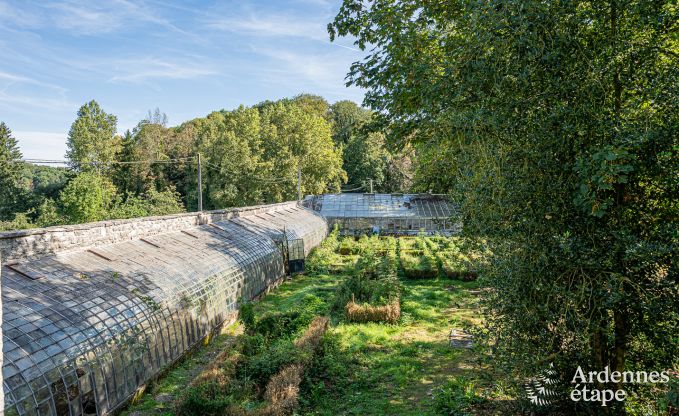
x: 12, y: 100
x: 321, y: 73
x: 20, y: 79
x: 41, y: 145
x: 273, y: 25
x: 150, y: 68
x: 13, y: 78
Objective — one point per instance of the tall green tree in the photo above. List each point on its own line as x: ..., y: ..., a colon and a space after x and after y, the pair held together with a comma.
x: 88, y: 197
x: 347, y: 118
x: 294, y: 138
x: 92, y: 142
x: 365, y: 159
x: 10, y: 173
x: 232, y: 144
x: 561, y: 119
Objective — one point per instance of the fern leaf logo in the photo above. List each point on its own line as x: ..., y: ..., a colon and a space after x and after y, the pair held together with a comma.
x: 539, y: 389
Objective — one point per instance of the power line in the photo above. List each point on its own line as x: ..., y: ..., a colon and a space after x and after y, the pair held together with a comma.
x: 114, y: 162
x: 272, y: 180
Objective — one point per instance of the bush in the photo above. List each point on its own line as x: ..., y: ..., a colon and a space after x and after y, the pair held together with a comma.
x: 324, y: 257
x: 282, y: 390
x: 274, y: 325
x: 455, y: 398
x: 422, y: 266
x: 457, y: 266
x: 260, y: 367
x: 209, y: 399
x: 362, y: 290
x: 348, y: 246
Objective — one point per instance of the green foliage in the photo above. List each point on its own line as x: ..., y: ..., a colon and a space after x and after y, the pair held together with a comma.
x: 88, y: 197
x: 420, y: 262
x: 268, y: 361
x: 209, y: 399
x: 48, y: 214
x: 92, y: 140
x: 373, y: 280
x: 312, y: 103
x: 560, y: 120
x: 10, y: 193
x: 150, y: 204
x: 348, y: 117
x: 254, y: 153
x: 19, y: 222
x: 44, y: 181
x: 323, y: 258
x: 599, y: 174
x: 456, y: 398
x: 365, y: 158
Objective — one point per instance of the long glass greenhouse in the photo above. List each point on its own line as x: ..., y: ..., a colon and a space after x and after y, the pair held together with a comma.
x: 85, y: 328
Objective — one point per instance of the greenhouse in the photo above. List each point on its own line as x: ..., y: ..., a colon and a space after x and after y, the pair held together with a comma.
x: 86, y: 324
x: 397, y: 214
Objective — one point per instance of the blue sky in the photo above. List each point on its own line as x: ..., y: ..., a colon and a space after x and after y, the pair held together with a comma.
x: 187, y: 58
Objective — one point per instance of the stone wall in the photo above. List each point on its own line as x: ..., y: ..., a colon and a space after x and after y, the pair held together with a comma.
x: 32, y: 243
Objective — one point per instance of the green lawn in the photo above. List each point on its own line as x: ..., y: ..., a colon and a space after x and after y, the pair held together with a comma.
x: 372, y: 368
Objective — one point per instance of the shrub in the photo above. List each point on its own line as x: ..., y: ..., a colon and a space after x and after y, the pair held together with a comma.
x: 457, y: 266
x: 282, y: 390
x: 209, y: 399
x: 324, y: 257
x: 455, y: 398
x: 260, y: 367
x: 422, y: 266
x: 348, y: 246
x: 363, y: 289
x: 273, y: 325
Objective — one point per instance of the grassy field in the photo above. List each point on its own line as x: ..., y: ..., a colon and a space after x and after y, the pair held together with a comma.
x: 407, y: 368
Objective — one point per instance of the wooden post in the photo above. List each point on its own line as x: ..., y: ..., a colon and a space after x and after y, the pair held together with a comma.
x: 299, y: 182
x: 200, y: 186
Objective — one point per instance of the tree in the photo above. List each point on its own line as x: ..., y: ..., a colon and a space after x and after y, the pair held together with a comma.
x: 294, y: 138
x: 156, y: 117
x: 92, y: 141
x: 124, y: 174
x: 313, y: 103
x: 347, y: 118
x: 151, y: 203
x: 232, y: 143
x: 366, y: 158
x: 10, y: 172
x: 561, y: 118
x: 88, y: 197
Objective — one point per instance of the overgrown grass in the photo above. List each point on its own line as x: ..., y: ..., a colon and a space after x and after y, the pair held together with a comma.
x: 406, y: 367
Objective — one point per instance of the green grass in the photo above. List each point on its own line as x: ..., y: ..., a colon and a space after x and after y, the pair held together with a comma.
x: 406, y: 368
x: 393, y: 369
x: 158, y: 398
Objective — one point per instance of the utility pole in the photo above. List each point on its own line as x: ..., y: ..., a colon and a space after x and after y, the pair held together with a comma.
x: 371, y: 185
x: 200, y: 186
x: 299, y: 182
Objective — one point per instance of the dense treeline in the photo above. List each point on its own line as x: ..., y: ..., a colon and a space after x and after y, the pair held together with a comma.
x: 250, y: 155
x: 554, y: 125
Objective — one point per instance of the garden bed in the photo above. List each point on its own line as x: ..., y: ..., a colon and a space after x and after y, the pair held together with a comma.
x: 364, y: 364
